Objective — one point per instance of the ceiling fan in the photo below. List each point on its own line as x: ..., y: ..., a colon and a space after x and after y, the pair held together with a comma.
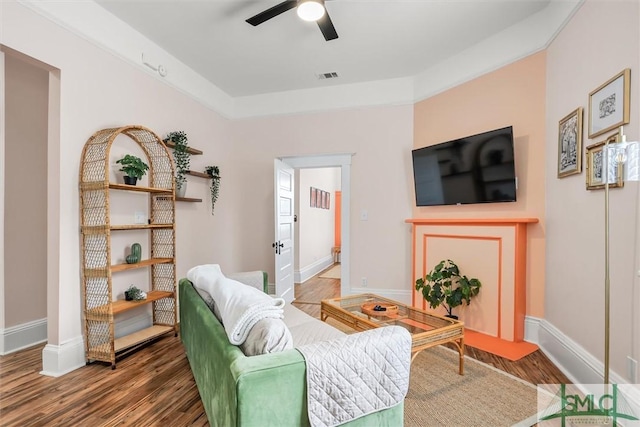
x: 309, y: 10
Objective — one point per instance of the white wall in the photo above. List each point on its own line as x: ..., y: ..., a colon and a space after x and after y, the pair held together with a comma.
x: 316, y: 226
x: 381, y: 182
x: 600, y: 41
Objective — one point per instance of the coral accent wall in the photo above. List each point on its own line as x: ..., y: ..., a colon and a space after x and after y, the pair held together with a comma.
x: 510, y: 96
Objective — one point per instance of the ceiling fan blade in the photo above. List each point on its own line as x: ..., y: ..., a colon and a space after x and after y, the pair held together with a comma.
x: 327, y: 28
x: 272, y: 12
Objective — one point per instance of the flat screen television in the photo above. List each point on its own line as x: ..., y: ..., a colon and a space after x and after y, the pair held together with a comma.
x: 476, y: 169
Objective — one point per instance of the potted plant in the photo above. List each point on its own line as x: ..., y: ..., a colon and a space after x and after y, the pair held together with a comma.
x: 214, y: 173
x: 133, y: 167
x: 134, y: 294
x: 181, y: 158
x: 444, y: 285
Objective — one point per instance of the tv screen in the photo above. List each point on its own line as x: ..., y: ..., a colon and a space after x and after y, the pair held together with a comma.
x: 476, y: 169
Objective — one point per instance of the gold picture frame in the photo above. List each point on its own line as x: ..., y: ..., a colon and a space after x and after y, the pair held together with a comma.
x: 595, y: 166
x: 609, y: 104
x: 570, y: 144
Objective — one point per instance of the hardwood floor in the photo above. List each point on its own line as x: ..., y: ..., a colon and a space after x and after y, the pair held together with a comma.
x: 154, y: 386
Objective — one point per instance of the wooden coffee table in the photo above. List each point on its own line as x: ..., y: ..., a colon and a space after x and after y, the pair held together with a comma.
x: 427, y: 329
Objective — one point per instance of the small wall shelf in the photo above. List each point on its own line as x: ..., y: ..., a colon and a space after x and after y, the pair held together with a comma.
x: 188, y: 199
x: 199, y: 174
x: 189, y: 149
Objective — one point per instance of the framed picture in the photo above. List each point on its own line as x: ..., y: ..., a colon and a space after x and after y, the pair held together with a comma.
x: 328, y: 200
x: 324, y: 200
x: 570, y: 144
x: 609, y: 104
x: 596, y: 167
x: 313, y: 197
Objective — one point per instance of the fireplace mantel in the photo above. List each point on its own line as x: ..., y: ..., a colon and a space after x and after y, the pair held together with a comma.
x: 473, y: 221
x: 495, y: 249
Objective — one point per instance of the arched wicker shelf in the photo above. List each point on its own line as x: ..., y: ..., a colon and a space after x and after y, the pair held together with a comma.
x: 99, y: 306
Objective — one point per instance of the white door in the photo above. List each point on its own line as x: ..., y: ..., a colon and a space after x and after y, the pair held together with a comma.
x: 283, y: 243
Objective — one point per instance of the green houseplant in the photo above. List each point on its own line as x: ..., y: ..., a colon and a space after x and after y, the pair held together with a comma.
x: 133, y: 167
x: 134, y: 294
x: 181, y: 158
x: 214, y: 173
x: 444, y: 285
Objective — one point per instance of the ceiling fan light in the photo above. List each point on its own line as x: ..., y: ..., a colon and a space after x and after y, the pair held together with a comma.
x: 310, y: 10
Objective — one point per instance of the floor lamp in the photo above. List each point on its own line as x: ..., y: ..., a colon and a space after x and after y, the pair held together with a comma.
x: 621, y: 163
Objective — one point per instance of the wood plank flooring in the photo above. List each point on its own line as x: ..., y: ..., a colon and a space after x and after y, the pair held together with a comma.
x: 154, y: 386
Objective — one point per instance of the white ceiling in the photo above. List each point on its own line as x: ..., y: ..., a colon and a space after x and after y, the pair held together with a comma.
x: 378, y: 39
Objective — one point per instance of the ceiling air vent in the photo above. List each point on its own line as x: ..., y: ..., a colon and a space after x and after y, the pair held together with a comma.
x: 323, y: 76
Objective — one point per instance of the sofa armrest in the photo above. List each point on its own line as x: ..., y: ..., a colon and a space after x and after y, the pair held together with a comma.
x: 236, y: 390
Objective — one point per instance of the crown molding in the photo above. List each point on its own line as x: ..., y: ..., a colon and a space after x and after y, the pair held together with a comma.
x: 103, y: 29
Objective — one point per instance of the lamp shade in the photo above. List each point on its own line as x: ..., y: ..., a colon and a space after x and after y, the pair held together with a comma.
x: 310, y: 10
x: 626, y: 154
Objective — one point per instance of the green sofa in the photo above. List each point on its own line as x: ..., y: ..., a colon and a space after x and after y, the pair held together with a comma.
x: 236, y: 390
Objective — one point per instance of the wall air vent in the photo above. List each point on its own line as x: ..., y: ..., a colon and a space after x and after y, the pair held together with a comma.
x: 323, y: 76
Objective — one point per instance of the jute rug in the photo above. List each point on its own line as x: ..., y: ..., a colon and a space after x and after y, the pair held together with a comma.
x: 483, y: 396
x: 332, y: 273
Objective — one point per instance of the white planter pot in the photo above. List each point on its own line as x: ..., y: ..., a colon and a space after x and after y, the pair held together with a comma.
x: 180, y: 192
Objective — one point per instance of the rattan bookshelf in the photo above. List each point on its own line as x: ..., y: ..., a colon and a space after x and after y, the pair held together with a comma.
x: 99, y: 306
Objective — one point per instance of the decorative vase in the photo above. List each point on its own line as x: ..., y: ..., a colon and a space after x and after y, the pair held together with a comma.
x: 182, y: 190
x: 451, y: 316
x: 130, y: 180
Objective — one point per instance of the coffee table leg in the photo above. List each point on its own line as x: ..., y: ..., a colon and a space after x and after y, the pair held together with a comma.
x: 460, y: 346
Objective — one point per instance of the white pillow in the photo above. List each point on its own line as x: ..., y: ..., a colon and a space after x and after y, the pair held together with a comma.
x: 267, y: 336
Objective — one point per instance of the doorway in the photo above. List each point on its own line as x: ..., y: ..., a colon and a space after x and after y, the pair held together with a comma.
x: 29, y: 204
x: 315, y: 228
x: 342, y: 161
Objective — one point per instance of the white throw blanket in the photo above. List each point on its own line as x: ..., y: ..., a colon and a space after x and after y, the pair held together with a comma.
x: 240, y: 306
x: 350, y: 377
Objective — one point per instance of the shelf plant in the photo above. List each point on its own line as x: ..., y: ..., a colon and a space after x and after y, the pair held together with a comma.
x: 444, y: 285
x: 133, y: 167
x: 214, y: 173
x: 134, y: 294
x: 181, y: 157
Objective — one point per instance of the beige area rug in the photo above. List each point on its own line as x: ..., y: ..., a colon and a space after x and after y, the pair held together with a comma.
x: 332, y: 273
x: 483, y: 396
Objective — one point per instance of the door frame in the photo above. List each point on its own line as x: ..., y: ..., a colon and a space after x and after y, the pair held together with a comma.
x: 343, y: 161
x: 56, y: 358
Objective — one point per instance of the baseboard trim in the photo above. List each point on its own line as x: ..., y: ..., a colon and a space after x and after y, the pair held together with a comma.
x: 58, y: 360
x: 16, y: 338
x: 306, y: 273
x: 580, y: 366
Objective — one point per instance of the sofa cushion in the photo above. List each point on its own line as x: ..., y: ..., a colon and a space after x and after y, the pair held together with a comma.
x: 306, y: 329
x: 267, y: 336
